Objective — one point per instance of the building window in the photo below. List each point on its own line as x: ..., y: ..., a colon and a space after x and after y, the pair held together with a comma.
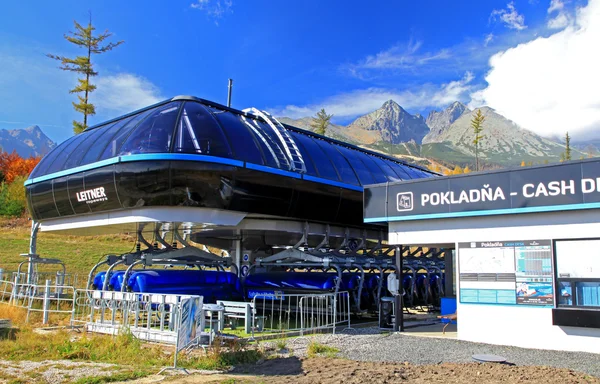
x: 578, y: 273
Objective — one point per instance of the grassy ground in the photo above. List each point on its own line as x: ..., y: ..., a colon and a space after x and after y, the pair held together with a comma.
x: 128, y: 356
x: 79, y: 253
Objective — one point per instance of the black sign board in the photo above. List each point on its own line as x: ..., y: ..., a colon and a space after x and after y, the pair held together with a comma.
x: 574, y: 185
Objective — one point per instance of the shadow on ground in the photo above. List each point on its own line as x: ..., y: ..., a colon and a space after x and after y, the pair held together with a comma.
x: 288, y: 366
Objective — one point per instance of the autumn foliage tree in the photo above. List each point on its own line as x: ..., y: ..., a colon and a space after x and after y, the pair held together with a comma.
x: 15, y: 171
x: 12, y: 165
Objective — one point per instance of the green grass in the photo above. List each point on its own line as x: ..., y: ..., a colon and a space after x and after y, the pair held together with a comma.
x: 79, y: 253
x: 120, y: 376
x: 316, y: 349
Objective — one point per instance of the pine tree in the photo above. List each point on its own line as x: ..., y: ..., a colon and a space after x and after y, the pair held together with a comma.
x: 567, y: 147
x: 320, y: 122
x: 83, y: 37
x: 477, y: 125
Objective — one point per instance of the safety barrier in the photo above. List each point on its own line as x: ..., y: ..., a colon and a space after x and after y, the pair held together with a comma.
x: 162, y: 318
x: 304, y: 313
x: 56, y: 278
x: 45, y: 299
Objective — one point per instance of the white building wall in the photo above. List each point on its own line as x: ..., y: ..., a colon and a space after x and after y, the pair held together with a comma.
x: 516, y: 325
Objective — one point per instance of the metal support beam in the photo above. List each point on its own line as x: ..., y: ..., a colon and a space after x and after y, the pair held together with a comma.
x: 238, y: 251
x: 35, y: 226
x: 399, y: 318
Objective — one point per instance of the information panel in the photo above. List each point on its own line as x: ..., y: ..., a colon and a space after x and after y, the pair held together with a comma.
x: 506, y: 272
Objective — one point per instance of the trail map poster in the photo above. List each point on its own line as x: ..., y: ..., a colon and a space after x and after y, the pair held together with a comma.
x: 506, y: 272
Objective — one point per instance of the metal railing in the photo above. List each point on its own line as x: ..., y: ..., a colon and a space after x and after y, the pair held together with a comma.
x: 45, y: 299
x: 148, y: 316
x: 303, y: 313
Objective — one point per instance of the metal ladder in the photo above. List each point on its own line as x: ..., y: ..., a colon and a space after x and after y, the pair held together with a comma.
x: 289, y: 145
x: 280, y: 158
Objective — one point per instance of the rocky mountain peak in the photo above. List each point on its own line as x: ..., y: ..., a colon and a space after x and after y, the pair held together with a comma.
x: 30, y: 141
x: 438, y: 122
x: 390, y: 123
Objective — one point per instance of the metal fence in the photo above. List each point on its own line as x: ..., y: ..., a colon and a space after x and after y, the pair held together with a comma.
x: 303, y: 313
x: 39, y: 278
x: 148, y: 316
x: 44, y: 299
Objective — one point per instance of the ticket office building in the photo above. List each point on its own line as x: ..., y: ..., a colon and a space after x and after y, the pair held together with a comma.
x: 527, y: 249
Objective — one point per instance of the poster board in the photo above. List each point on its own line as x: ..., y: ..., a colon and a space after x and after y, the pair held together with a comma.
x: 191, y: 321
x: 506, y: 272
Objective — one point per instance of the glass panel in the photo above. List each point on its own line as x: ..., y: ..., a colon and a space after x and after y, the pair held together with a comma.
x: 346, y: 172
x: 308, y: 162
x: 114, y: 145
x: 154, y: 133
x: 102, y: 141
x: 578, y: 259
x: 244, y: 143
x: 565, y: 293
x: 389, y: 172
x: 46, y: 162
x: 378, y: 174
x: 400, y: 169
x: 85, y: 145
x: 321, y: 161
x: 271, y: 145
x: 199, y: 132
x: 364, y: 175
x: 60, y: 160
x: 588, y: 294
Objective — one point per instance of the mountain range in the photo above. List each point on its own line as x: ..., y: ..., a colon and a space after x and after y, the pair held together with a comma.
x: 30, y: 141
x: 445, y: 136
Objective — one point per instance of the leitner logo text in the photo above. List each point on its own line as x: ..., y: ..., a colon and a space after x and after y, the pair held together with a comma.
x: 92, y: 195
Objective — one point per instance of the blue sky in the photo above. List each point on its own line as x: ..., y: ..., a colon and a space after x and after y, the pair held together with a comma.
x: 292, y: 58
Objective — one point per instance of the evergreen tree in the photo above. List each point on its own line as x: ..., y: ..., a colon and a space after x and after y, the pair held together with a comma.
x: 320, y: 122
x: 567, y: 147
x: 477, y: 125
x: 84, y: 37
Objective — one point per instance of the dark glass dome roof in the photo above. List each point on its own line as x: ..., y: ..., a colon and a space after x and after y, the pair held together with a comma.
x: 187, y: 125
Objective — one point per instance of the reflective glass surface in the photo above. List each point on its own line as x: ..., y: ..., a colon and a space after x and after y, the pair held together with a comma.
x: 47, y: 160
x: 270, y: 144
x: 102, y: 141
x: 83, y: 147
x: 378, y: 174
x: 243, y: 142
x: 364, y: 175
x: 57, y: 164
x: 308, y: 161
x: 400, y: 170
x: 385, y: 167
x: 113, y: 146
x: 324, y: 166
x: 199, y: 132
x: 154, y: 133
x: 344, y: 169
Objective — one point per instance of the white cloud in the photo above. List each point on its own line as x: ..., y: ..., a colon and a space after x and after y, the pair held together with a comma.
x: 124, y: 92
x: 562, y: 18
x: 510, y: 17
x: 214, y: 9
x: 362, y: 101
x: 398, y: 57
x: 488, y: 39
x: 550, y: 85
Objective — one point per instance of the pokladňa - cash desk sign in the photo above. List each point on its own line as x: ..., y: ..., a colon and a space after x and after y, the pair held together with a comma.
x: 557, y: 187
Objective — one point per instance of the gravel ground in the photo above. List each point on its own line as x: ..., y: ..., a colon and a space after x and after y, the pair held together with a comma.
x: 56, y: 371
x: 369, y: 345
